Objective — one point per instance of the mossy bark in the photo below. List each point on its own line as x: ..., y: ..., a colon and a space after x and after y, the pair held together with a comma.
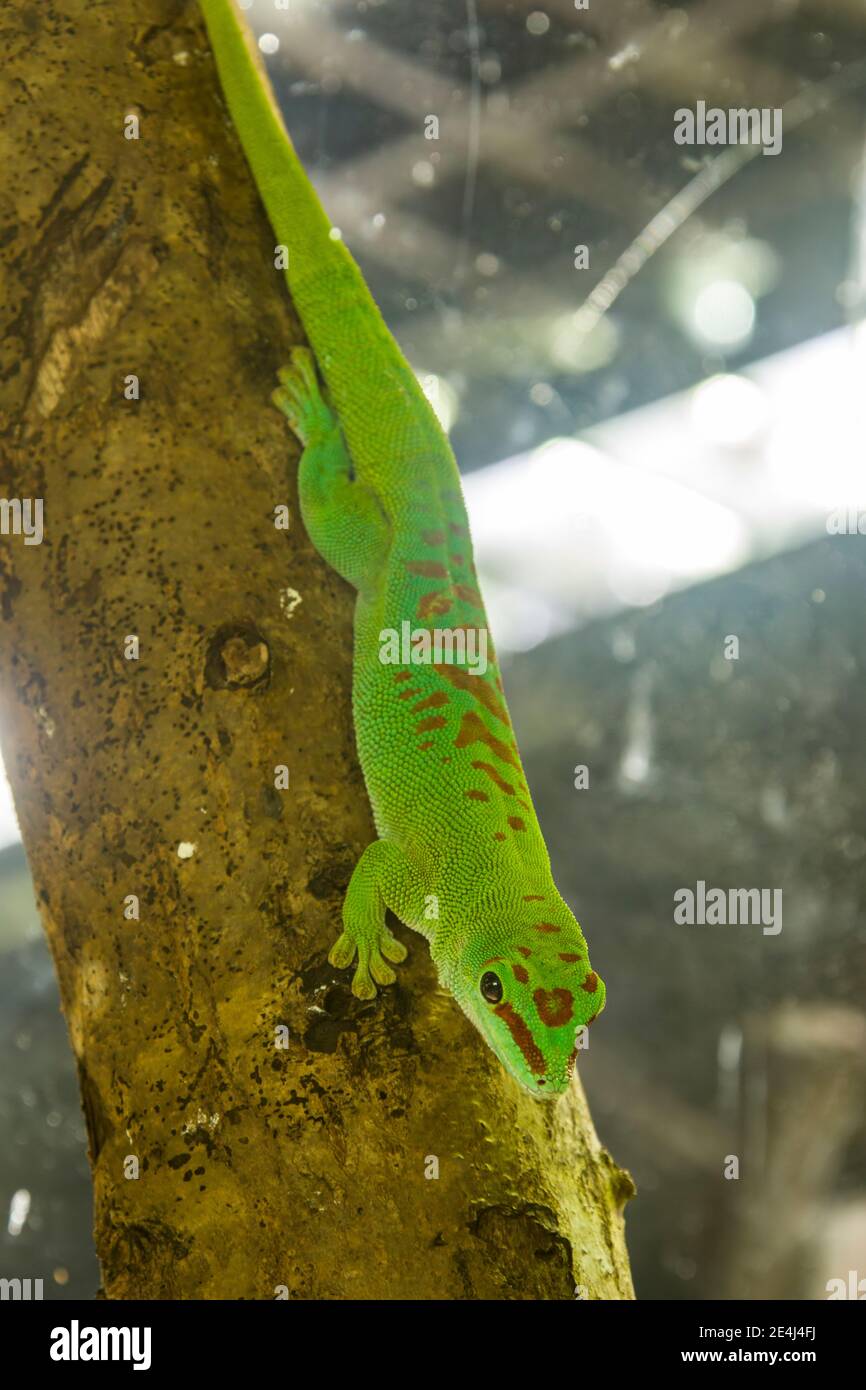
x: 261, y: 1168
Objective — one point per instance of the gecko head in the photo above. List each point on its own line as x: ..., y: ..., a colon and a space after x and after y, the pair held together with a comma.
x: 532, y: 1000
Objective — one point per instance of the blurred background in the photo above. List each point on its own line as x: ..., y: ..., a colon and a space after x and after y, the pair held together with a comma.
x: 661, y: 437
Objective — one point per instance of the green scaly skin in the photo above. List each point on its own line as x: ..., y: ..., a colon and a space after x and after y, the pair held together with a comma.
x: 460, y: 858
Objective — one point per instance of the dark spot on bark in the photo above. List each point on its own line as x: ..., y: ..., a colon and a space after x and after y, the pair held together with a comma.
x: 272, y: 802
x: 521, y: 1235
x: 151, y: 1248
x: 237, y: 658
x: 11, y: 590
x: 179, y: 1160
x: 331, y: 880
x: 338, y: 1014
x: 95, y: 1118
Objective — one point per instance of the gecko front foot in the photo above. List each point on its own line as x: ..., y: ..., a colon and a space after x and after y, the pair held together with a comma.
x: 299, y: 397
x: 373, y: 950
x: 375, y: 886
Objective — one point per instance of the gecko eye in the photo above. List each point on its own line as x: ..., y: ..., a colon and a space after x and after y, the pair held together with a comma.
x: 491, y: 987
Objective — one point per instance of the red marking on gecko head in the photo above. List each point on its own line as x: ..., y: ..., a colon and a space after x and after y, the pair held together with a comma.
x: 475, y: 795
x: 546, y: 927
x: 498, y: 835
x: 590, y: 984
x: 568, y: 956
x: 433, y: 537
x: 554, y: 1006
x: 520, y: 973
x: 522, y: 1036
x: 516, y: 823
x: 533, y: 898
x: 525, y: 951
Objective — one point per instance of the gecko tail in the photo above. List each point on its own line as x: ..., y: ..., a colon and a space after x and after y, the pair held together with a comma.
x: 340, y: 317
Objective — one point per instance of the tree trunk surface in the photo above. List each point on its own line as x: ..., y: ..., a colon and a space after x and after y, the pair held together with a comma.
x: 255, y: 1131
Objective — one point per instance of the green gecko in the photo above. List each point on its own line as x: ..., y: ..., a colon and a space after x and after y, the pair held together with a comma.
x: 460, y: 855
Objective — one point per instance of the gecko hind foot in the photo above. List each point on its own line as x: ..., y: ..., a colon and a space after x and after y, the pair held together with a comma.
x: 299, y: 397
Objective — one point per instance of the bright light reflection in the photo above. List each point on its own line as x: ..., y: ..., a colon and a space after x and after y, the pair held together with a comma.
x: 723, y: 314
x: 729, y: 411
x: 9, y: 832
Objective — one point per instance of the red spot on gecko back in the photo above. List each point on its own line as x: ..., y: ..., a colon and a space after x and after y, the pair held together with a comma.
x: 433, y: 537
x: 469, y: 595
x: 475, y: 795
x: 531, y: 897
x: 495, y: 777
x: 546, y: 927
x: 436, y: 721
x: 474, y: 730
x: 403, y: 676
x: 523, y: 1037
x: 434, y: 604
x: 428, y: 569
x: 516, y: 823
x: 498, y: 835
x: 434, y: 701
x: 477, y: 687
x: 590, y: 984
x: 554, y: 1006
x: 568, y: 956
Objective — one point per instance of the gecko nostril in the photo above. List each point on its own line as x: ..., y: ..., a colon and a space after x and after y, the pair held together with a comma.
x: 541, y: 1081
